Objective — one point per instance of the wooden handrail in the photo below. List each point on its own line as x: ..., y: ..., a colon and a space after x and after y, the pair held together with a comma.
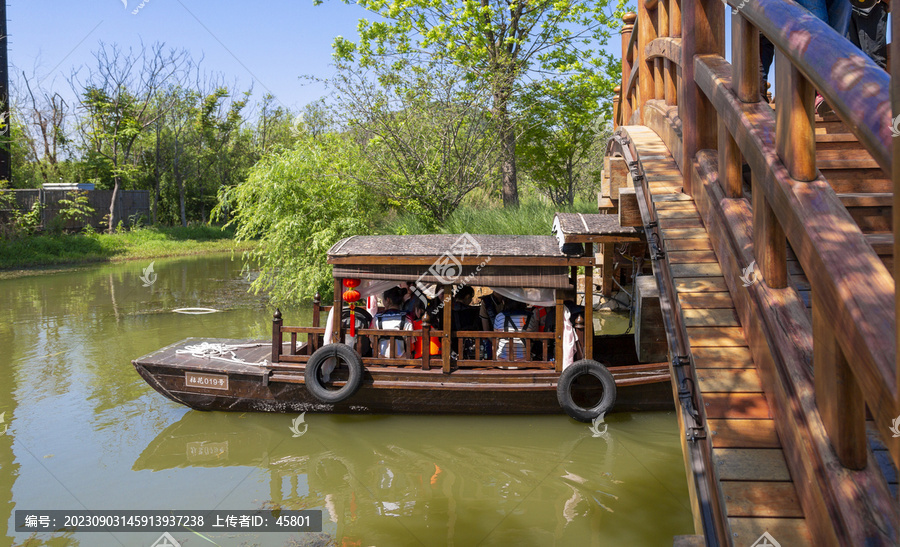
x: 857, y: 88
x: 851, y: 280
x: 851, y: 340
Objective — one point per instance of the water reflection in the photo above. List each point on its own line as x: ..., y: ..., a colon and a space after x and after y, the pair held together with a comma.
x: 85, y: 432
x: 462, y: 480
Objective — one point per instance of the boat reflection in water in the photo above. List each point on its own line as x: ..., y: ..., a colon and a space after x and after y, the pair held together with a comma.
x: 400, y: 480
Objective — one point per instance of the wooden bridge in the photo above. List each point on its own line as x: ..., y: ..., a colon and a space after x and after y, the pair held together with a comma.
x: 772, y: 236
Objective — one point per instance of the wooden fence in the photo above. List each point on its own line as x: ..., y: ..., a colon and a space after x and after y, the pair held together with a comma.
x: 131, y: 205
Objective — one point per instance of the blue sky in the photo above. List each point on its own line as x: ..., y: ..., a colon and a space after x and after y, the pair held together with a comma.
x: 267, y: 44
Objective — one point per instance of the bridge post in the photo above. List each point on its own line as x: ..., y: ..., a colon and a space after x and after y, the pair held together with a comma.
x: 617, y: 101
x: 703, y: 32
x: 838, y: 396
x: 745, y: 84
x: 662, y: 30
x: 673, y: 71
x: 795, y: 126
x: 895, y: 175
x: 628, y: 19
x: 646, y: 34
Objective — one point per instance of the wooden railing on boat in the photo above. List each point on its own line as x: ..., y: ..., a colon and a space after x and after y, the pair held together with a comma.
x: 315, y: 338
x: 820, y: 374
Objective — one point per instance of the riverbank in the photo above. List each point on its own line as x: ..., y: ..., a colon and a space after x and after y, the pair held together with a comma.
x: 153, y: 242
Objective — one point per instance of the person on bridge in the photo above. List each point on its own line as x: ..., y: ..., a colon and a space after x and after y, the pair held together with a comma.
x: 868, y: 28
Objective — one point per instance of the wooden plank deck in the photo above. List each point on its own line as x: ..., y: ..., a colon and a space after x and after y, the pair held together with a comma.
x: 753, y: 479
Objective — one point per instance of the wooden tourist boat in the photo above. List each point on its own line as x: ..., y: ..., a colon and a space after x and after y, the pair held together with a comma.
x: 285, y: 374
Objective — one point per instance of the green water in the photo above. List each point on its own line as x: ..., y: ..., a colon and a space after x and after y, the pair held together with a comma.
x: 85, y: 432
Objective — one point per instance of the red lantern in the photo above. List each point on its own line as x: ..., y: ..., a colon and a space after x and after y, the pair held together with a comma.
x: 351, y: 296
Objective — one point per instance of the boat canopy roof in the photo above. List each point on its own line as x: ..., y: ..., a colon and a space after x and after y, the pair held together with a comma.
x: 485, y: 260
x: 592, y: 228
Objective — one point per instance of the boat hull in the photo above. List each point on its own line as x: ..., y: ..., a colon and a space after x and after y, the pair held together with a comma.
x: 254, y: 387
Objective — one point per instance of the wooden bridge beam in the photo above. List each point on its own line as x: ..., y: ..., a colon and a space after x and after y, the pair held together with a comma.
x: 703, y: 32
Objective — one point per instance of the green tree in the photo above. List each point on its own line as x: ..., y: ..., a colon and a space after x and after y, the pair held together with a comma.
x: 498, y: 41
x: 561, y: 122
x: 299, y: 203
x: 425, y: 135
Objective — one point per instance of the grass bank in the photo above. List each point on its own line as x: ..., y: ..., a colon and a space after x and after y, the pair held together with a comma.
x: 153, y: 242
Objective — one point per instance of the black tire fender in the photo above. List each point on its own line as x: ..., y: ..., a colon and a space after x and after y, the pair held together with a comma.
x: 575, y: 371
x: 345, y: 355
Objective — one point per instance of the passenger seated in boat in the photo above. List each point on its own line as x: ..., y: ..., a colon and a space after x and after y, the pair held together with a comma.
x: 392, y: 318
x: 515, y: 317
x: 434, y: 342
x: 409, y: 297
x: 491, y: 304
x: 465, y: 318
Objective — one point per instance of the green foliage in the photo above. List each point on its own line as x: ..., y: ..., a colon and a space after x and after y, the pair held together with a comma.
x: 562, y: 122
x: 74, y: 207
x: 533, y: 217
x: 14, y: 223
x: 299, y: 202
x: 499, y: 43
x: 428, y: 140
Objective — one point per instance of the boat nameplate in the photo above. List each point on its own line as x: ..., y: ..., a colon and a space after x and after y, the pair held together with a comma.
x: 207, y: 381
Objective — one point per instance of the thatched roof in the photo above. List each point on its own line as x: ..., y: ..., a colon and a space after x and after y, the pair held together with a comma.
x: 436, y: 245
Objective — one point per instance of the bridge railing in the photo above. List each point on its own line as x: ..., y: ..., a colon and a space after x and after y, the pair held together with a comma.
x: 821, y: 374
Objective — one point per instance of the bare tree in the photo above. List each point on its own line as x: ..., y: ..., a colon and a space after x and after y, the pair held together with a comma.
x: 44, y: 124
x: 116, y: 98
